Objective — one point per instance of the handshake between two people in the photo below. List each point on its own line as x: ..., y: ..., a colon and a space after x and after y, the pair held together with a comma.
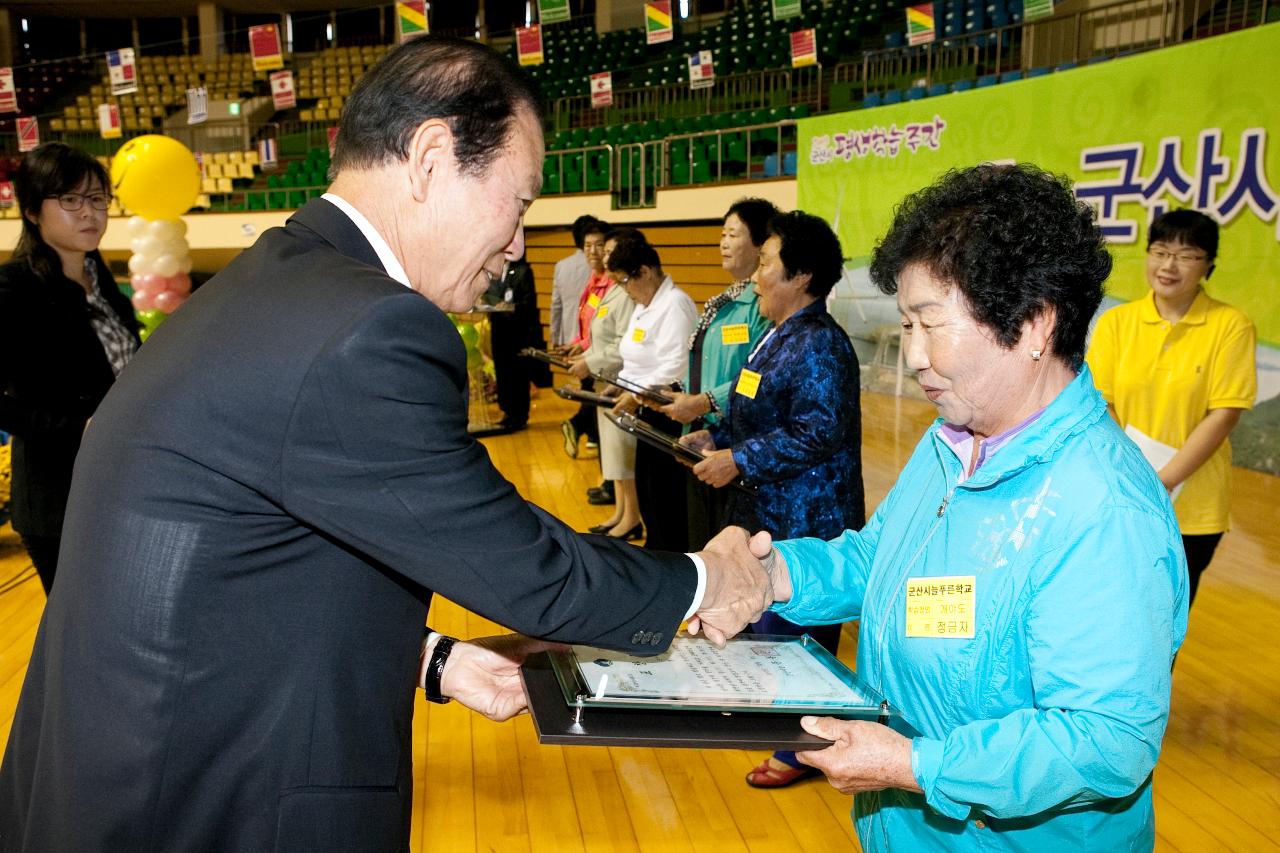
x: 744, y: 576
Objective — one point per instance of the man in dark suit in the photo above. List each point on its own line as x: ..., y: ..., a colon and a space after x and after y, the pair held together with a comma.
x: 265, y: 502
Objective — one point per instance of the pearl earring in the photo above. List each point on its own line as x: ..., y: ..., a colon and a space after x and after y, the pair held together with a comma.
x: 1035, y: 355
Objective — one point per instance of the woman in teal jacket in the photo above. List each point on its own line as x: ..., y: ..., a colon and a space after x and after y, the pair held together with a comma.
x: 1022, y: 589
x: 729, y: 329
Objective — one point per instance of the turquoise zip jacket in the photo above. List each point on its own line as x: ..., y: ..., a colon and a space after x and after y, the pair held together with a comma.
x: 721, y: 362
x: 1041, y: 730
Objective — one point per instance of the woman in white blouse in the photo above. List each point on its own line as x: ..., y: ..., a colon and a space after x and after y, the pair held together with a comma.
x: 654, y: 353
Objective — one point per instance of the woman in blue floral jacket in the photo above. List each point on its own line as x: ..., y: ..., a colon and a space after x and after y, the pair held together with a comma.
x: 793, y: 430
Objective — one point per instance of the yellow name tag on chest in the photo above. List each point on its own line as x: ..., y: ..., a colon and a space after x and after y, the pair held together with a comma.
x: 941, y: 607
x: 637, y: 335
x: 603, y: 312
x: 594, y: 300
x: 748, y: 383
x: 734, y: 334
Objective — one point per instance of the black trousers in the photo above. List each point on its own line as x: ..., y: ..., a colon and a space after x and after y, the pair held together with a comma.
x: 43, y: 551
x: 707, y: 510
x: 1199, y: 550
x: 660, y: 486
x: 511, y: 372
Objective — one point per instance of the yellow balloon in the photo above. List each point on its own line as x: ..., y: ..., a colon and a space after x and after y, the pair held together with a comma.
x: 155, y: 176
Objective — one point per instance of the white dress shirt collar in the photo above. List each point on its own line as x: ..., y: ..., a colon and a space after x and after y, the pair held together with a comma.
x: 389, y: 261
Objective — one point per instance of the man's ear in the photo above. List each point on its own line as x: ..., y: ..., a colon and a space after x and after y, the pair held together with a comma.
x: 430, y: 152
x: 1209, y: 271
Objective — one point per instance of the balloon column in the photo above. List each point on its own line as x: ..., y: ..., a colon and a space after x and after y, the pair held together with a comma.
x: 158, y: 179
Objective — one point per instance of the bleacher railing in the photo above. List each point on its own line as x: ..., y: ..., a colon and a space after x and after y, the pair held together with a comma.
x: 770, y: 88
x: 1064, y: 39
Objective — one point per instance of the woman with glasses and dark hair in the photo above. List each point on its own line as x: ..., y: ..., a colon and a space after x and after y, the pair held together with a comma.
x: 66, y: 332
x: 1177, y: 370
x: 653, y: 356
x: 793, y: 426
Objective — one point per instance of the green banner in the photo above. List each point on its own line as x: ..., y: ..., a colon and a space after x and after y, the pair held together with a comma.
x: 1186, y: 126
x: 783, y: 9
x: 1035, y: 9
x: 553, y: 11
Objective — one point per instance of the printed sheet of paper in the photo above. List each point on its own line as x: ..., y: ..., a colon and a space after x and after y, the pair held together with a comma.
x: 1156, y: 452
x: 745, y: 672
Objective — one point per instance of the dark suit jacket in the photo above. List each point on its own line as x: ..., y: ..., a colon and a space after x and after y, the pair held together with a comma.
x: 53, y: 374
x: 261, y: 510
x: 799, y: 440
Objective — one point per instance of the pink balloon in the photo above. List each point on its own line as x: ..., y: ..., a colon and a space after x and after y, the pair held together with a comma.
x: 143, y: 300
x: 146, y: 282
x: 167, y: 301
x: 179, y: 284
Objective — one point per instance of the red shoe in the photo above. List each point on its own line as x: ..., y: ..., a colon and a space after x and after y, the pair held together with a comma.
x: 768, y: 776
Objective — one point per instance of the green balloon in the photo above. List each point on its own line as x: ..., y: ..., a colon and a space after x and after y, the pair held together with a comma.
x: 149, y: 321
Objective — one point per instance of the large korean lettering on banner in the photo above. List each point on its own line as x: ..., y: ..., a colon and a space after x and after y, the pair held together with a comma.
x: 1186, y: 126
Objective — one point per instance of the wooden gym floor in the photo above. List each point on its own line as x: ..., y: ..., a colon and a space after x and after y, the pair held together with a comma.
x: 483, y: 786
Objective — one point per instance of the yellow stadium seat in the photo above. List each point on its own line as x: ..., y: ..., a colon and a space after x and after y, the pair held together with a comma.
x: 224, y: 185
x: 251, y: 157
x: 213, y: 170
x: 203, y: 202
x: 209, y: 185
x: 219, y: 156
x: 246, y: 170
x: 235, y: 156
x: 57, y: 124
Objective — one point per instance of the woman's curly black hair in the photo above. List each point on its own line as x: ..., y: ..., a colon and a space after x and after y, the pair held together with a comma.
x: 1014, y: 239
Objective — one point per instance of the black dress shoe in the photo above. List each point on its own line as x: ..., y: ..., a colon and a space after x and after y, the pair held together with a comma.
x: 600, y: 528
x: 600, y: 499
x: 605, y: 488
x: 513, y: 426
x: 634, y: 533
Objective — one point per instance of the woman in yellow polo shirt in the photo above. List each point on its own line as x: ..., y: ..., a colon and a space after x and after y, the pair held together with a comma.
x: 1177, y: 369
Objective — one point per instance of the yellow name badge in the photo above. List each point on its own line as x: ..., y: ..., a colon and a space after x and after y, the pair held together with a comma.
x: 748, y: 383
x: 940, y: 607
x: 603, y: 312
x: 594, y: 300
x: 637, y: 335
x: 734, y: 334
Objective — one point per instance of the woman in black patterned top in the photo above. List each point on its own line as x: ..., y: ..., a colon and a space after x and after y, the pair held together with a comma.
x: 66, y: 332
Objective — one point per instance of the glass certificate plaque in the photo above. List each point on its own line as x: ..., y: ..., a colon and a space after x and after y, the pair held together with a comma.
x: 750, y: 694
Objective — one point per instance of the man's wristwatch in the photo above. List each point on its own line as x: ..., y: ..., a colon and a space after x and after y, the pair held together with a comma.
x: 435, y: 669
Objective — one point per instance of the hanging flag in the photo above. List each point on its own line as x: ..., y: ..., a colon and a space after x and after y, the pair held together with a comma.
x: 8, y: 92
x: 122, y: 70
x: 553, y: 11
x: 282, y: 94
x: 109, y: 121
x: 1034, y: 9
x: 702, y: 70
x: 804, y: 48
x: 602, y: 89
x: 920, y: 24
x: 529, y: 45
x: 6, y: 194
x: 264, y: 45
x: 197, y: 105
x: 28, y: 133
x: 411, y: 20
x: 783, y: 9
x: 657, y: 21
x: 333, y: 140
x: 267, y: 153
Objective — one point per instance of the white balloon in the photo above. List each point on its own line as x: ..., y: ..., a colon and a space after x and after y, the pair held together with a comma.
x: 184, y: 264
x: 137, y: 226
x: 166, y: 265
x: 138, y: 244
x: 139, y: 265
x: 181, y: 225
x: 163, y: 230
x: 177, y: 246
x: 149, y: 246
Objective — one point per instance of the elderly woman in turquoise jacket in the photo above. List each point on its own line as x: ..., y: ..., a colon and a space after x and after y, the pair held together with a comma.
x: 1022, y: 590
x: 730, y: 327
